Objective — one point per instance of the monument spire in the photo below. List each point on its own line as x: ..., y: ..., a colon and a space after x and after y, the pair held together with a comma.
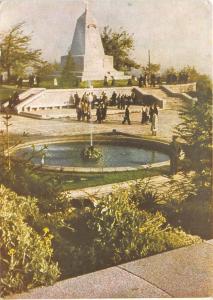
x: 86, y: 5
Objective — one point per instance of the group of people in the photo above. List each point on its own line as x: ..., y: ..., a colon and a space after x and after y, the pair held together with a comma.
x: 33, y: 81
x: 151, y: 80
x: 146, y: 80
x: 143, y: 80
x: 173, y: 78
x: 107, y: 83
x: 88, y: 101
x: 122, y: 100
x: 149, y: 114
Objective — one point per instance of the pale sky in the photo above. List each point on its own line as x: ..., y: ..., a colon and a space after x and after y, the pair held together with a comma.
x: 177, y: 32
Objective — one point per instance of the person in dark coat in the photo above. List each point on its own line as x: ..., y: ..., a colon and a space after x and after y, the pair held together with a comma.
x: 105, y: 81
x: 140, y: 81
x: 122, y: 102
x: 155, y: 109
x: 151, y: 113
x: 126, y: 116
x: 31, y: 80
x: 99, y: 114
x: 113, y: 81
x: 144, y: 115
x: 119, y: 101
x: 76, y: 99
x: 113, y: 98
x: 174, y: 155
x: 20, y: 82
x: 129, y: 83
x: 37, y: 80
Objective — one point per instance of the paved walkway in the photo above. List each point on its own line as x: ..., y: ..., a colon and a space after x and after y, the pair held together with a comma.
x: 184, y: 272
x: 168, y: 119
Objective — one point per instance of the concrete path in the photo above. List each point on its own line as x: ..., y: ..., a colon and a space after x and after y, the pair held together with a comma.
x: 168, y: 119
x: 184, y: 272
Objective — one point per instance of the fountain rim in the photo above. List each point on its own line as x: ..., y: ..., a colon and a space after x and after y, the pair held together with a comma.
x: 100, y: 137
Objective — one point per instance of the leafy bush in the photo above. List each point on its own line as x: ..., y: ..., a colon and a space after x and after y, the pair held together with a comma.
x: 188, y: 204
x: 26, y: 256
x: 123, y: 233
x: 144, y: 196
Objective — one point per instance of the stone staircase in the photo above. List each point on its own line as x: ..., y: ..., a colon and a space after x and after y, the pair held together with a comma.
x: 169, y: 102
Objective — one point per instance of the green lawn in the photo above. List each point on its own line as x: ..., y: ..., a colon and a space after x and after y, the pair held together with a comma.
x: 7, y: 90
x: 84, y: 84
x: 83, y: 180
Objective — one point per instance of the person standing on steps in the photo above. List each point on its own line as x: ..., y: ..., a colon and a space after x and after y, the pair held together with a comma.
x: 126, y: 116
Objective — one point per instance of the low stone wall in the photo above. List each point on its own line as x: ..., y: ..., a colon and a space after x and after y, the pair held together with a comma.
x: 181, y: 88
x: 143, y: 97
x: 180, y: 91
x: 61, y: 98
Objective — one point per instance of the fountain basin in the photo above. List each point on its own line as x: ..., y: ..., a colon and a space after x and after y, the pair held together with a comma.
x: 120, y: 153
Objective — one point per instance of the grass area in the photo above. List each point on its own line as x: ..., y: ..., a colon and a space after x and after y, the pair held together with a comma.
x: 83, y: 180
x: 7, y: 90
x: 49, y: 84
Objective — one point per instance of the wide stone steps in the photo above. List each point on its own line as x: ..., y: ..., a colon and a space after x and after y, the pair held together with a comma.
x: 173, y: 103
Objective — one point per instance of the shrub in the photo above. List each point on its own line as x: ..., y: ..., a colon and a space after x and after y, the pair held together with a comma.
x: 26, y: 256
x: 123, y: 233
x: 144, y: 196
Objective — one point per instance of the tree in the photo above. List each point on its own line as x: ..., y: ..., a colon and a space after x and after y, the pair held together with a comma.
x: 192, y: 73
x: 15, y: 52
x: 196, y: 128
x: 44, y: 69
x: 119, y: 45
x: 152, y: 68
x: 68, y: 69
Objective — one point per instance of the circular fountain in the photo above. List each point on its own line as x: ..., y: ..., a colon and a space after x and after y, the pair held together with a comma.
x: 117, y: 153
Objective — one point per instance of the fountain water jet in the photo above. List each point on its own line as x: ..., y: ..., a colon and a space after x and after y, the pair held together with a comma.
x: 91, y: 153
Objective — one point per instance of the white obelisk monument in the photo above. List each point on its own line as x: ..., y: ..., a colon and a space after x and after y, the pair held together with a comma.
x: 87, y: 51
